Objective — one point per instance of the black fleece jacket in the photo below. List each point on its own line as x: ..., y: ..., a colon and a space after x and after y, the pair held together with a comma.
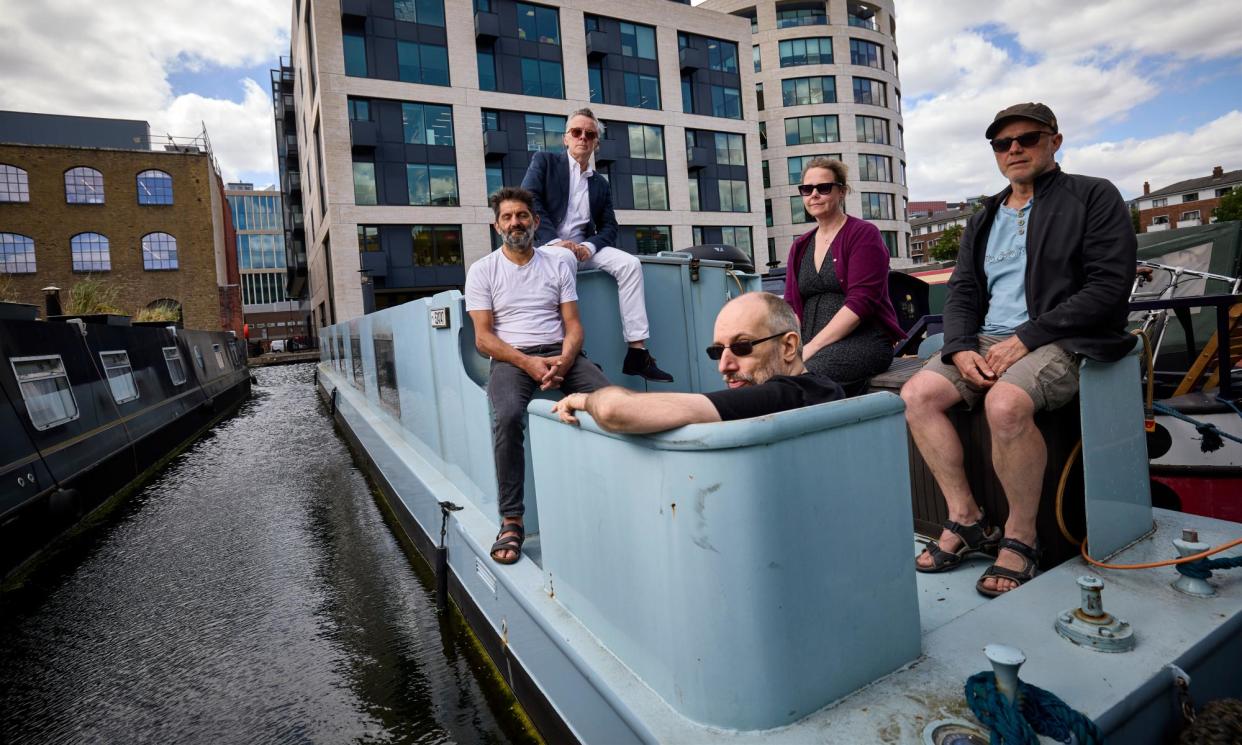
x: 1080, y: 259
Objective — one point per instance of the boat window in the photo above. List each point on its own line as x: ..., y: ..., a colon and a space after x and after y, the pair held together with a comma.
x: 215, y: 348
x: 176, y: 368
x: 198, y: 358
x: 46, y: 390
x: 120, y: 375
x: 234, y: 357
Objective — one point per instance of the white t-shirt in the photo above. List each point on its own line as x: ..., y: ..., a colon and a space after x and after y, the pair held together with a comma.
x: 525, y: 300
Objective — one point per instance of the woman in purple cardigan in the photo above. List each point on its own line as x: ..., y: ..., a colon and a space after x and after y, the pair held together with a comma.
x: 848, y: 323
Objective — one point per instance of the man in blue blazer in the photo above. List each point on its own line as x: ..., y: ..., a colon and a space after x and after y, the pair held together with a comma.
x: 574, y: 206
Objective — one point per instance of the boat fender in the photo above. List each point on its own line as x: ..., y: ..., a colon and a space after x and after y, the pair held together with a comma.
x: 65, y: 503
x: 446, y: 508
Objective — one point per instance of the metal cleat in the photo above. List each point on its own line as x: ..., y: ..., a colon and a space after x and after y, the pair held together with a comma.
x: 1089, y: 625
x: 1189, y: 545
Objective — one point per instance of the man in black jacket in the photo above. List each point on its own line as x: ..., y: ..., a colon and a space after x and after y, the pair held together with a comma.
x: 1043, y: 278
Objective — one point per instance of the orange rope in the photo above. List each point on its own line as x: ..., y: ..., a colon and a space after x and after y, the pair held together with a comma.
x: 1156, y: 564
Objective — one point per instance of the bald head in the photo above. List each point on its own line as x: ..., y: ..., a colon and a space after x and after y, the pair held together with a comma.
x: 752, y: 317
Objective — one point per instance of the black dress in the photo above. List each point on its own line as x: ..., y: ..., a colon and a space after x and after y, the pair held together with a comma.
x: 852, y: 360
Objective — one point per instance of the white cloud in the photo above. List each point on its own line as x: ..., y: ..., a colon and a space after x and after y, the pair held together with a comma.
x: 112, y: 58
x: 1093, y: 63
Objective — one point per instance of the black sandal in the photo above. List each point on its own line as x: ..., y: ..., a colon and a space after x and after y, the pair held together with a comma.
x: 515, y: 535
x: 980, y: 537
x: 1030, y: 557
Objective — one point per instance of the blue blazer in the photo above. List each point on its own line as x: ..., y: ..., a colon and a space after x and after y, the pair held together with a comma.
x: 548, y: 179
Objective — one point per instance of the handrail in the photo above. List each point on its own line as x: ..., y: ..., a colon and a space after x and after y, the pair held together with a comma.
x: 1222, y: 303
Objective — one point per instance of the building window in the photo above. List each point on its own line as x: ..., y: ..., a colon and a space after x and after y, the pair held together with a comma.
x: 368, y: 239
x: 355, y: 54
x: 1160, y: 220
x: 759, y: 96
x: 537, y: 23
x: 651, y: 239
x: 646, y: 141
x: 426, y: 124
x: 804, y: 91
x: 814, y: 15
x: 90, y: 253
x: 687, y: 95
x: 1222, y: 192
x: 1161, y: 202
x: 738, y: 237
x: 641, y: 91
x: 359, y: 110
x: 436, y: 245
x: 890, y: 240
x: 804, y: 130
x: 595, y: 80
x: 650, y: 192
x: 875, y: 167
x: 364, y: 183
x: 541, y: 78
x: 872, y: 129
x: 487, y: 69
x: 733, y: 195
x: 877, y: 206
x: 726, y: 102
x: 84, y: 186
x: 426, y: 12
x: 261, y: 251
x: 901, y: 137
x: 159, y: 252
x: 155, y: 187
x: 796, y: 52
x: 638, y: 41
x: 46, y: 390
x: 730, y: 149
x: 767, y: 212
x: 866, y: 54
x: 862, y: 15
x: 14, y: 184
x: 797, y: 211
x: 263, y: 288
x: 767, y: 177
x: 1190, y: 197
x: 763, y: 135
x: 1191, y: 215
x: 721, y: 55
x: 17, y: 254
x: 693, y: 184
x: 431, y: 185
x: 422, y: 63
x: 176, y: 366
x: 795, y: 165
x: 545, y: 133
x: 495, y: 179
x: 120, y: 375
x: 869, y: 91
x: 754, y: 53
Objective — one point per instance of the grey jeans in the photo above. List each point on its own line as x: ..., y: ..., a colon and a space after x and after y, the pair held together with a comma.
x: 509, y: 390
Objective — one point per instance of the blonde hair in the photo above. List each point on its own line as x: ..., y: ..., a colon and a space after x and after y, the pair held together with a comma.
x: 839, y: 170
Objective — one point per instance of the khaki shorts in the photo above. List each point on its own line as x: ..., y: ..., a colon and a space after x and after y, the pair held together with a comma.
x: 1049, y: 375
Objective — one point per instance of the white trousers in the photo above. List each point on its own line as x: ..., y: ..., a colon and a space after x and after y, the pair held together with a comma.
x: 627, y: 270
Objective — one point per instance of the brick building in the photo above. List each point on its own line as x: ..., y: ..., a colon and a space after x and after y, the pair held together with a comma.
x: 924, y: 231
x: 152, y: 223
x: 1186, y: 203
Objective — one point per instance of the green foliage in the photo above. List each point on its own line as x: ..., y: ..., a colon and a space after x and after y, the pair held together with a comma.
x: 91, y: 295
x: 1134, y: 220
x: 1230, y: 206
x: 161, y: 312
x: 8, y: 291
x: 945, y: 247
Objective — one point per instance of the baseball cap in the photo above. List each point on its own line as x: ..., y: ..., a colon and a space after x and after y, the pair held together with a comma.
x: 1034, y: 111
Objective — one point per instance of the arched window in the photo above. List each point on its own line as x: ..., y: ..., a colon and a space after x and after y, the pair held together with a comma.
x: 159, y: 252
x: 14, y: 184
x: 154, y: 187
x: 17, y: 254
x: 84, y: 186
x: 90, y: 253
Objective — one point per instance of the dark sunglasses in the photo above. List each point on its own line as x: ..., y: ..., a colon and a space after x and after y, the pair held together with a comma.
x: 824, y: 188
x: 584, y: 134
x: 739, y: 348
x: 1026, y: 139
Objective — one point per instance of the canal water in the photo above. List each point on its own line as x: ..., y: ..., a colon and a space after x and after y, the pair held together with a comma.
x: 251, y: 592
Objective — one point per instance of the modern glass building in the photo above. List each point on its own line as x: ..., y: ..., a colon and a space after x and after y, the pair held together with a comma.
x: 826, y: 83
x: 397, y: 118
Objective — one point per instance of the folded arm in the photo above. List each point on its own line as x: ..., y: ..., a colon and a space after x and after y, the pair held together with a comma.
x: 618, y: 409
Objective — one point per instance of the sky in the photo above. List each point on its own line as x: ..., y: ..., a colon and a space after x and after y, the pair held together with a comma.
x: 1144, y: 90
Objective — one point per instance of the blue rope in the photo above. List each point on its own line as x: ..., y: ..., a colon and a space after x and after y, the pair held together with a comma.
x: 1211, y: 433
x: 1037, y: 711
x: 1233, y: 406
x: 1202, y: 569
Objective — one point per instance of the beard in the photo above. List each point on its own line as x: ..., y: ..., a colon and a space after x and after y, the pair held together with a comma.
x: 760, y: 375
x: 519, y: 239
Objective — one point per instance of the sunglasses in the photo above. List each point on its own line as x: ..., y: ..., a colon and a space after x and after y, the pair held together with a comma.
x: 578, y: 133
x: 1026, y: 139
x: 824, y: 188
x: 739, y: 348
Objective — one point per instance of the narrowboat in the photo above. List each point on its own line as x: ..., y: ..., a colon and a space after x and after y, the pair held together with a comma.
x: 90, y: 405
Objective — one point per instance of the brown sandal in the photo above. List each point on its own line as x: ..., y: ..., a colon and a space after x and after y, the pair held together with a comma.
x: 516, y: 535
x: 1030, y: 557
x: 980, y: 537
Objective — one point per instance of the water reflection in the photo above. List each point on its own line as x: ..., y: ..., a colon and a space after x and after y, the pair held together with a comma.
x: 250, y: 593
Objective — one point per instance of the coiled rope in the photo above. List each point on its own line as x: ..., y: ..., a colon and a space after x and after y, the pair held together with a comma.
x: 1034, y: 711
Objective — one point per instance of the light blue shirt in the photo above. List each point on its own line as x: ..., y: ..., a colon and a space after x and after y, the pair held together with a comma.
x: 1004, y: 265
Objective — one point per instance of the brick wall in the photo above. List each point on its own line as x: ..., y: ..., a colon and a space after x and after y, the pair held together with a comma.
x: 1173, y: 212
x: 51, y: 222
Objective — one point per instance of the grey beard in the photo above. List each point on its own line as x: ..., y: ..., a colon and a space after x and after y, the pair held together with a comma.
x: 519, y: 243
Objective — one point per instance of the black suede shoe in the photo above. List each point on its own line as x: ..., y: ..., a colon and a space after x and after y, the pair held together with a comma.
x: 639, y: 361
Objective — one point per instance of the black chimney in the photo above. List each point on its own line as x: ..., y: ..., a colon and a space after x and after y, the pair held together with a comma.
x: 51, y: 297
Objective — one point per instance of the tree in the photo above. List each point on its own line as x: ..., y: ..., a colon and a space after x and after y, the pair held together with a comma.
x: 1134, y: 220
x: 945, y: 247
x: 1230, y: 206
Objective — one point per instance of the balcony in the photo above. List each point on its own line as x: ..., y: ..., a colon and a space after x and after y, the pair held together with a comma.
x: 495, y: 144
x: 486, y: 26
x: 608, y: 152
x: 693, y: 59
x: 602, y: 43
x: 362, y: 133
x: 356, y: 8
x: 698, y: 157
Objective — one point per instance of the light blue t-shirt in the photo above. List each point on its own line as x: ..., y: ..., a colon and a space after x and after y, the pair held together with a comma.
x: 1004, y: 265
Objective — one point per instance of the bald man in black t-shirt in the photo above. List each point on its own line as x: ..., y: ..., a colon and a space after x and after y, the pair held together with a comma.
x: 759, y: 348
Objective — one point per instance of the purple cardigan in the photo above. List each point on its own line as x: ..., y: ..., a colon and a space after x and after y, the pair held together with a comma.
x: 860, y: 259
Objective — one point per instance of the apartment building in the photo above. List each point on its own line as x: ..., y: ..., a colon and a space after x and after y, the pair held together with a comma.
x: 1185, y: 203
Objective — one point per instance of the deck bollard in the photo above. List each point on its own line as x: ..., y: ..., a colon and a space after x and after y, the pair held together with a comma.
x: 1005, y: 661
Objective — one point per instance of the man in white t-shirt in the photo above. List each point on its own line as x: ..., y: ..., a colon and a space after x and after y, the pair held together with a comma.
x: 523, y: 302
